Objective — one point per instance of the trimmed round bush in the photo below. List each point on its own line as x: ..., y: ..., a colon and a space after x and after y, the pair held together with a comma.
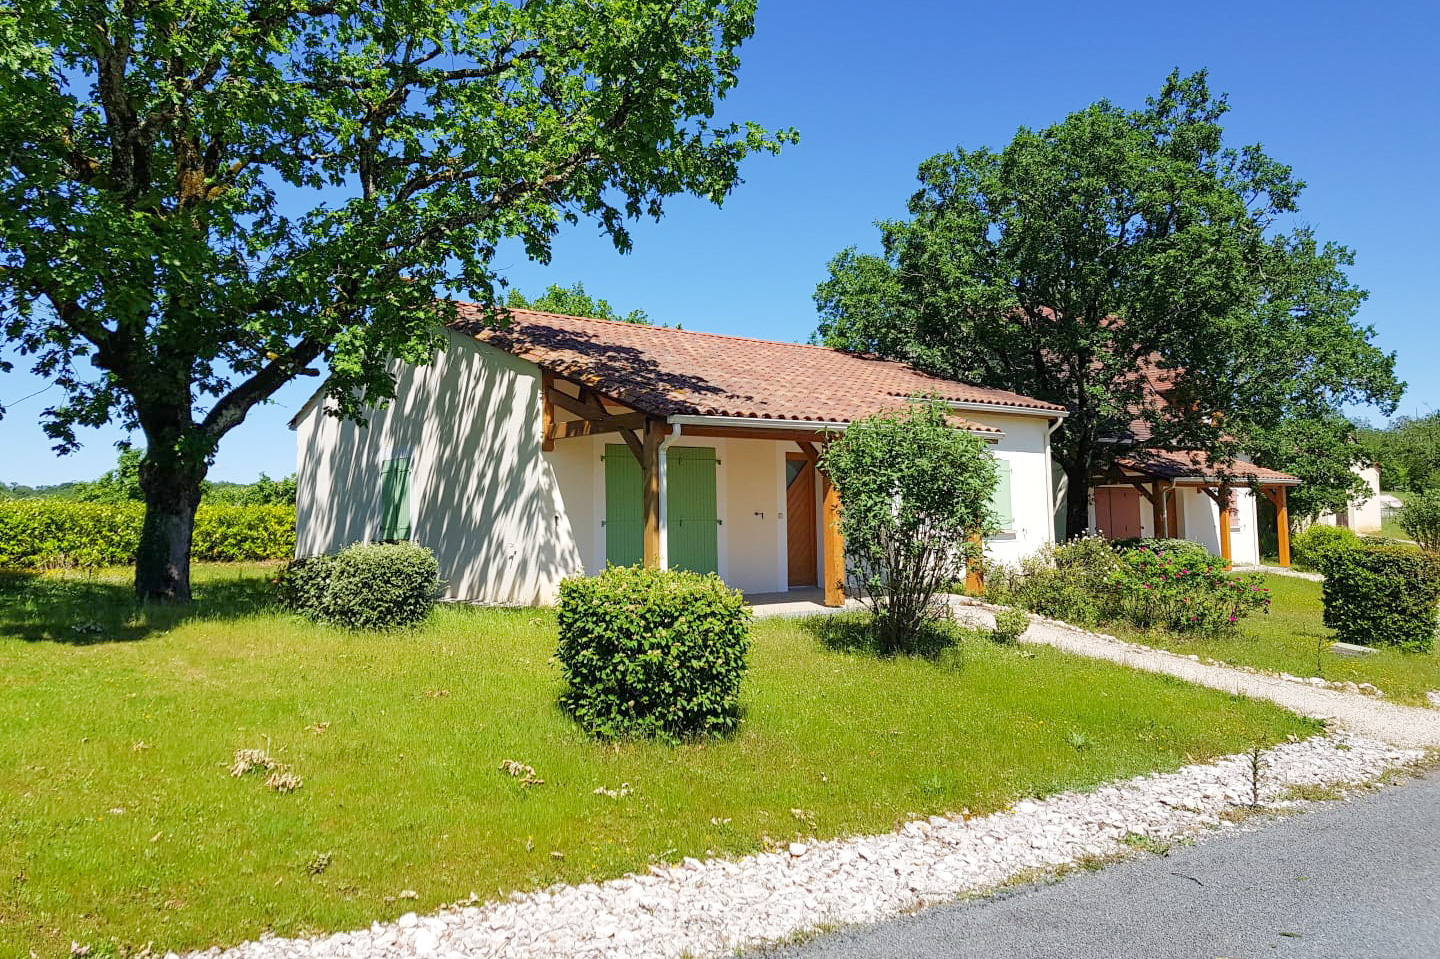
x: 1383, y: 596
x: 1318, y: 542
x: 650, y: 653
x: 366, y: 586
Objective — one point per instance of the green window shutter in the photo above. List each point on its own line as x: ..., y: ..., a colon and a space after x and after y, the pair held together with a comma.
x: 624, y: 507
x: 693, y: 522
x: 395, y: 499
x: 1000, y: 500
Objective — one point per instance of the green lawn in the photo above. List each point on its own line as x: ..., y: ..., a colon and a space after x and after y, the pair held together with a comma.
x: 1388, y: 525
x: 1285, y: 640
x: 120, y: 823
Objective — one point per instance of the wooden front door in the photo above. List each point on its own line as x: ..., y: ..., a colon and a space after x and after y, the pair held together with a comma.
x: 1117, y: 512
x: 800, y: 519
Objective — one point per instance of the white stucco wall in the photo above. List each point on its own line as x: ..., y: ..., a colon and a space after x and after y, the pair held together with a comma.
x: 1366, y: 516
x: 1025, y: 446
x: 481, y: 494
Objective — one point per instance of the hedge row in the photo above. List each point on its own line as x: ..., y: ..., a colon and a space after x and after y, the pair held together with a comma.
x: 49, y: 533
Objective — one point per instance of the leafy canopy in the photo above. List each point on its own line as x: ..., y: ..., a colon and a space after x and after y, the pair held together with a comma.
x: 201, y: 199
x: 574, y: 301
x: 1130, y: 266
x: 915, y: 494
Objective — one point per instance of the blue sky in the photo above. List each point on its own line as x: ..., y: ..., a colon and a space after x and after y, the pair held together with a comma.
x: 1348, y: 94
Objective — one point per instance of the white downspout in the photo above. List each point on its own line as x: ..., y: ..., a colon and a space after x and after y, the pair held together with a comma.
x: 675, y: 429
x: 1052, y: 491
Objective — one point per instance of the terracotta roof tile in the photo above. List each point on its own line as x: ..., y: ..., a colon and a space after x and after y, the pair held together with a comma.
x: 665, y: 371
x: 1193, y: 464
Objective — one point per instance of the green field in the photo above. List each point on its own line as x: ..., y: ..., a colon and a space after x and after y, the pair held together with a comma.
x: 120, y: 824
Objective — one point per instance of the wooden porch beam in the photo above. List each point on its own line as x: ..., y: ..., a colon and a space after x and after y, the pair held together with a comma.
x: 833, y: 567
x: 654, y: 432
x: 591, y: 410
x: 614, y: 424
x: 547, y: 411
x: 756, y: 433
x: 811, y: 453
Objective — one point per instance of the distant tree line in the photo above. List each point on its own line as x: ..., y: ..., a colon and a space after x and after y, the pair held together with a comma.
x: 122, y: 485
x: 1407, y: 452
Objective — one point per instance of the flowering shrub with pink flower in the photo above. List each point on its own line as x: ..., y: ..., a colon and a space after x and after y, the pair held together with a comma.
x: 1183, y: 592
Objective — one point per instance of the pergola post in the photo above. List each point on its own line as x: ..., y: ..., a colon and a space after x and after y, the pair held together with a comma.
x: 975, y: 571
x: 1282, y: 522
x: 834, y: 564
x: 650, y: 471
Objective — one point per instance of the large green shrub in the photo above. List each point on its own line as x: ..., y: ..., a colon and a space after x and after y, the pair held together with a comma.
x: 1070, y: 582
x: 365, y: 586
x: 915, y: 499
x: 53, y: 533
x: 1383, y: 596
x: 1318, y: 542
x: 1420, y: 518
x: 648, y: 652
x: 1184, y: 590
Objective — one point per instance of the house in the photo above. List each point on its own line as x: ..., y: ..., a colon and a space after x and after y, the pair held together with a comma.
x: 1365, y: 515
x: 553, y: 445
x: 1181, y: 494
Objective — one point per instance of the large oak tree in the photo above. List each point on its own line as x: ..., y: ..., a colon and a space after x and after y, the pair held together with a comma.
x: 203, y: 199
x: 1130, y: 266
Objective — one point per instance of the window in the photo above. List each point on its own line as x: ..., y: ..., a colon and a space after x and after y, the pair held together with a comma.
x: 395, y: 498
x: 1000, y: 499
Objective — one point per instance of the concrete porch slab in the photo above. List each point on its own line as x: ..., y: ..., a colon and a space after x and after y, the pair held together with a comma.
x: 796, y: 602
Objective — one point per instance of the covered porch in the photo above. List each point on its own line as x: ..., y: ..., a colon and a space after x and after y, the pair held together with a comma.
x: 1167, y: 485
x: 665, y: 494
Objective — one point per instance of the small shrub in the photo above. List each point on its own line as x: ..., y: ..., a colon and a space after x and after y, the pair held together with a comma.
x: 1318, y: 542
x: 366, y: 586
x: 381, y: 586
x: 1010, y: 624
x: 1184, y: 591
x: 1420, y: 518
x: 301, y: 585
x: 1179, y: 549
x: 652, y: 653
x: 1070, y: 582
x: 1383, y: 596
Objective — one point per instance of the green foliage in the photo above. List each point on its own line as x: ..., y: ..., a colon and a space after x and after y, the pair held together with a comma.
x: 1407, y: 452
x: 1383, y: 596
x: 1176, y: 549
x: 1183, y: 590
x: 1320, y: 448
x: 365, y: 586
x: 574, y: 301
x: 914, y: 492
x: 1420, y: 517
x: 43, y: 533
x: 205, y: 203
x: 302, y: 584
x: 652, y: 653
x: 1010, y: 624
x: 263, y: 492
x: 1069, y: 581
x: 1014, y: 267
x: 1314, y: 546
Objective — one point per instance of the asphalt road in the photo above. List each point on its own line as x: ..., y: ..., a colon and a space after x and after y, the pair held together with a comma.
x: 1353, y: 880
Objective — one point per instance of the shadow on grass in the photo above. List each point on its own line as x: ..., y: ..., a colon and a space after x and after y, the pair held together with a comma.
x: 855, y: 634
x: 82, y: 610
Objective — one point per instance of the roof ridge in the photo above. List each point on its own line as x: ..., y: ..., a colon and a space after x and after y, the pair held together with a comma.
x: 674, y: 329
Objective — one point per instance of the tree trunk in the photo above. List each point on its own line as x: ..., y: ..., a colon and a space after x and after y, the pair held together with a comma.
x: 1077, y: 502
x: 172, y: 494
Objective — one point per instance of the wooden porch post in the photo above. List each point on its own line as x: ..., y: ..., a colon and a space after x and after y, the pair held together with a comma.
x: 833, y: 568
x: 1157, y: 503
x: 1223, y: 501
x: 1282, y: 523
x: 975, y: 573
x: 650, y: 471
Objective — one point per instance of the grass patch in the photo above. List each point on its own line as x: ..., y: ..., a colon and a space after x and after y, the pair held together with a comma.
x: 1285, y: 640
x: 121, y: 824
